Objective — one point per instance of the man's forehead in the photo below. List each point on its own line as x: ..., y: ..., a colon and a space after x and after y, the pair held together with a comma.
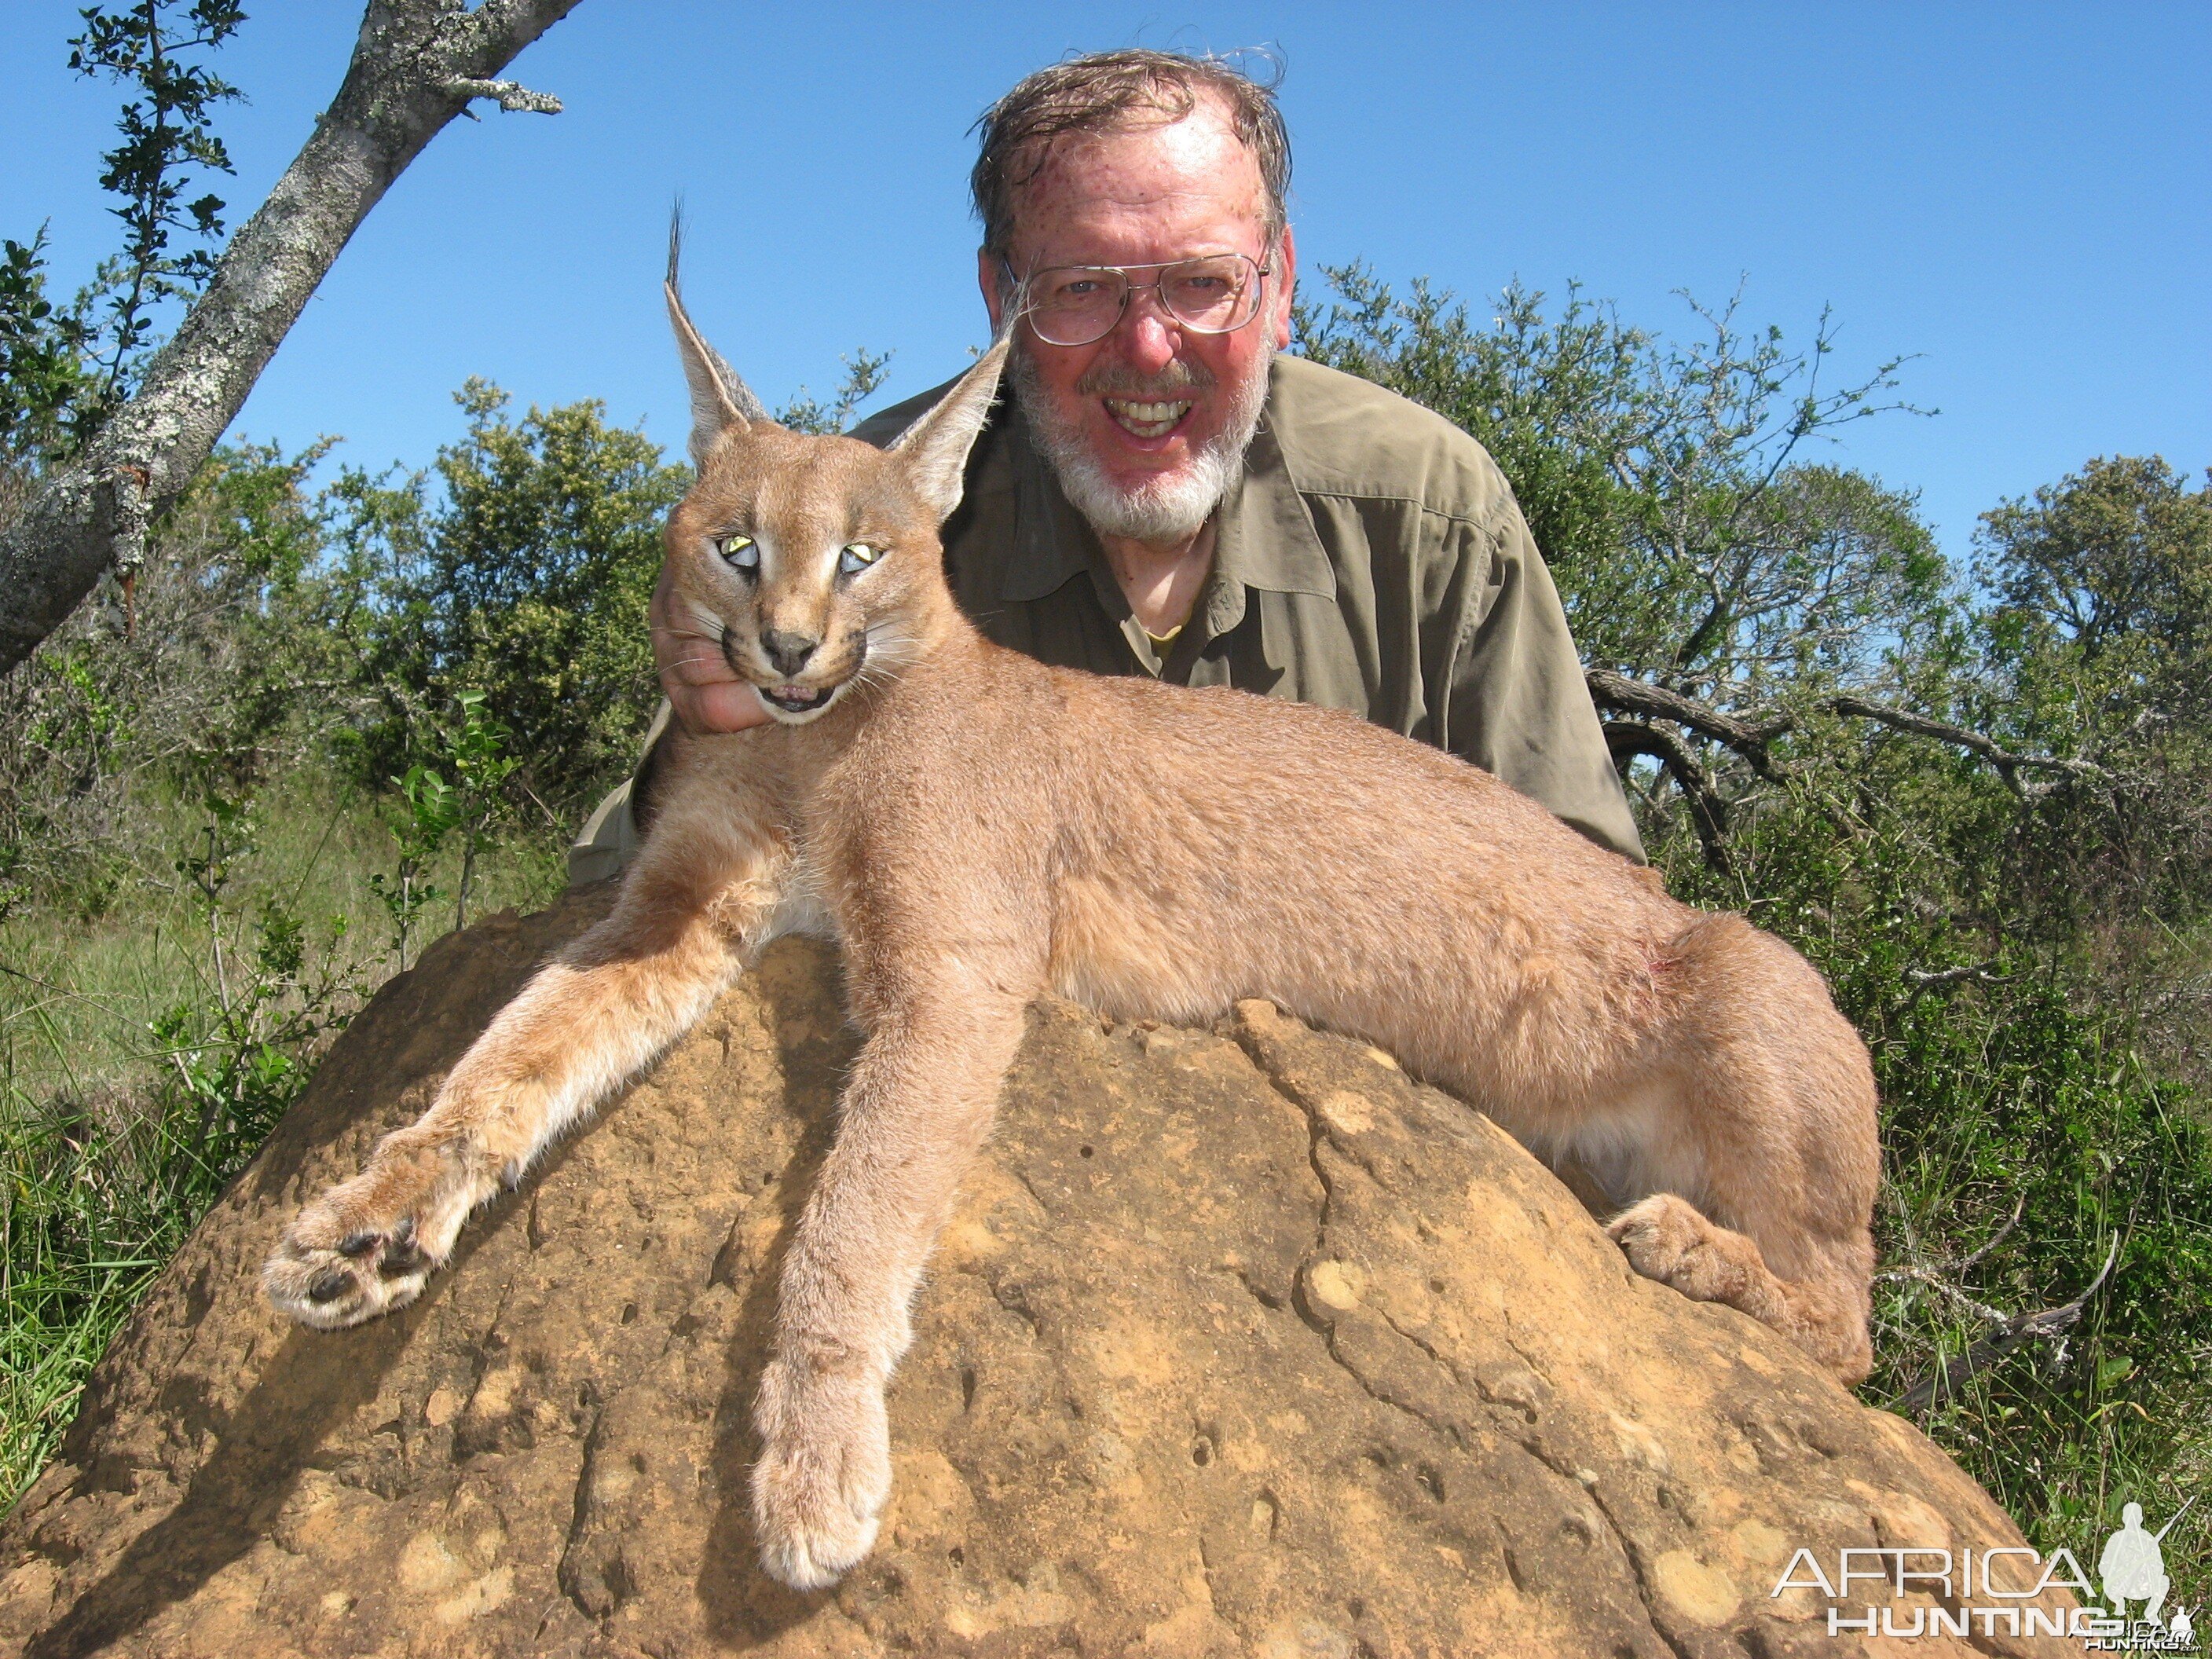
x: 1191, y: 176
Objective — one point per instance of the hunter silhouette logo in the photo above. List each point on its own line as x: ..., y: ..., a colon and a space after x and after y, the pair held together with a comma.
x: 2133, y: 1569
x: 2002, y: 1592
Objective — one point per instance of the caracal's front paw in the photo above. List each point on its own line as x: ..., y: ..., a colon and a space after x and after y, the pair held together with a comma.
x: 362, y: 1249
x: 1666, y: 1239
x: 824, y: 1474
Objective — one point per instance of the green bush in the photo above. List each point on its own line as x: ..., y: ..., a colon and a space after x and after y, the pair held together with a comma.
x: 527, y: 578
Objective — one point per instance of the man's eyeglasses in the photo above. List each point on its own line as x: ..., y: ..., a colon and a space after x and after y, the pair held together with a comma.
x: 1077, y: 305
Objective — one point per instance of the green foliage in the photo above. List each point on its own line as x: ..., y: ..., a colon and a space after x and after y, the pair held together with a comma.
x: 2023, y: 1132
x: 475, y: 751
x: 163, y: 996
x: 431, y: 808
x: 61, y: 375
x: 864, y: 374
x: 43, y: 377
x: 218, y: 668
x: 2098, y: 647
x: 236, y: 1062
x: 427, y: 813
x: 102, y: 1176
x: 528, y: 583
x: 166, y: 129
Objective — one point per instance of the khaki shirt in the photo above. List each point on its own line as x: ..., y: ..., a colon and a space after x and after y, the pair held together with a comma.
x: 1371, y: 557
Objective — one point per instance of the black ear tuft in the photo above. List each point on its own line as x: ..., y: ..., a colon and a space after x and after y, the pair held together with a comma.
x: 720, y: 399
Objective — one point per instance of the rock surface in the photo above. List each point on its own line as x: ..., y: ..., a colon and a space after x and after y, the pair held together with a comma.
x: 1243, y: 1343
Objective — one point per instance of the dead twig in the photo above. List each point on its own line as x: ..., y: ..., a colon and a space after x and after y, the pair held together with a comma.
x: 2018, y: 1209
x: 1934, y: 1281
x: 1924, y: 979
x: 2042, y: 1324
x: 1751, y: 734
x: 1708, y: 808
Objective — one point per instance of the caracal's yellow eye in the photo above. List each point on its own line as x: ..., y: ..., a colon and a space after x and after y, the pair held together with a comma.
x: 856, y: 557
x: 739, y: 551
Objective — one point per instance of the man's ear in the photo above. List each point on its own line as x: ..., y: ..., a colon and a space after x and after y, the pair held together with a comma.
x: 935, y: 448
x: 719, y: 400
x: 988, y: 270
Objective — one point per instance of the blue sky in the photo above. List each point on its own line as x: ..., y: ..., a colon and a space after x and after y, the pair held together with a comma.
x: 2020, y: 194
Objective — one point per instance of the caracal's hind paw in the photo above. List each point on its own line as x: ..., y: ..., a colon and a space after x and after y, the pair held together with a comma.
x: 1666, y: 1238
x: 361, y: 1249
x: 824, y: 1474
x: 1671, y: 1241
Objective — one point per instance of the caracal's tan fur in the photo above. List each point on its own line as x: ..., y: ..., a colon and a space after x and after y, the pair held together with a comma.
x: 976, y: 828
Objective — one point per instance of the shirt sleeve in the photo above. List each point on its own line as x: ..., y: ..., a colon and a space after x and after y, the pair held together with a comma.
x: 610, y: 837
x: 1516, y: 703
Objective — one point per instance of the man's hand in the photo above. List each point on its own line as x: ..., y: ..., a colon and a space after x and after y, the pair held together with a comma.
x: 704, y: 690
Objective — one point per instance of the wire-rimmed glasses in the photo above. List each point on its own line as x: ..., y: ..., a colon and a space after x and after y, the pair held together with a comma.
x: 1078, y: 305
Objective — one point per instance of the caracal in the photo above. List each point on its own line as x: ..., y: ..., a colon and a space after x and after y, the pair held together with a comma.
x: 975, y: 828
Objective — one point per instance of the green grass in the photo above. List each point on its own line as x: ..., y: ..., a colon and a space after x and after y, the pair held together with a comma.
x: 145, y: 1049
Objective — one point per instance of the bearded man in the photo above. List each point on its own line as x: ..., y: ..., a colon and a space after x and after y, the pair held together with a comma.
x: 1165, y: 495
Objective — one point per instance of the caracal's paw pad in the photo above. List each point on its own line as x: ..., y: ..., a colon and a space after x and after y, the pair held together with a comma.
x: 824, y: 1474
x: 1666, y: 1239
x: 344, y: 1259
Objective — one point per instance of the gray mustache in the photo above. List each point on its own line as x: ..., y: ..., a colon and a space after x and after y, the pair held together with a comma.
x: 1113, y: 380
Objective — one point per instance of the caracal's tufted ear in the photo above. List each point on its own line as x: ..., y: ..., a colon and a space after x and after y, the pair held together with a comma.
x: 719, y: 400
x: 935, y: 448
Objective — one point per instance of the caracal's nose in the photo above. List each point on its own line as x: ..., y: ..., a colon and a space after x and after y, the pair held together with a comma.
x: 788, y: 652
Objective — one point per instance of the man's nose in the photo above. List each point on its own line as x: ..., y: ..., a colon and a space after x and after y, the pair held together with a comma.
x: 1147, y: 334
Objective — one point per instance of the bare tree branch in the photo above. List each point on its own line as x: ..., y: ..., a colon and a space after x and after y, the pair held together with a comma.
x: 1920, y: 1274
x: 415, y: 66
x: 512, y: 95
x: 2004, y: 759
x: 1708, y: 811
x: 1936, y: 1281
x: 1924, y: 979
x: 1749, y: 738
x: 1751, y: 734
x: 2046, y: 1323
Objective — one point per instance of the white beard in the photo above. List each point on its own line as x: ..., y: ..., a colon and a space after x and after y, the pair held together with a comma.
x: 1168, y: 508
